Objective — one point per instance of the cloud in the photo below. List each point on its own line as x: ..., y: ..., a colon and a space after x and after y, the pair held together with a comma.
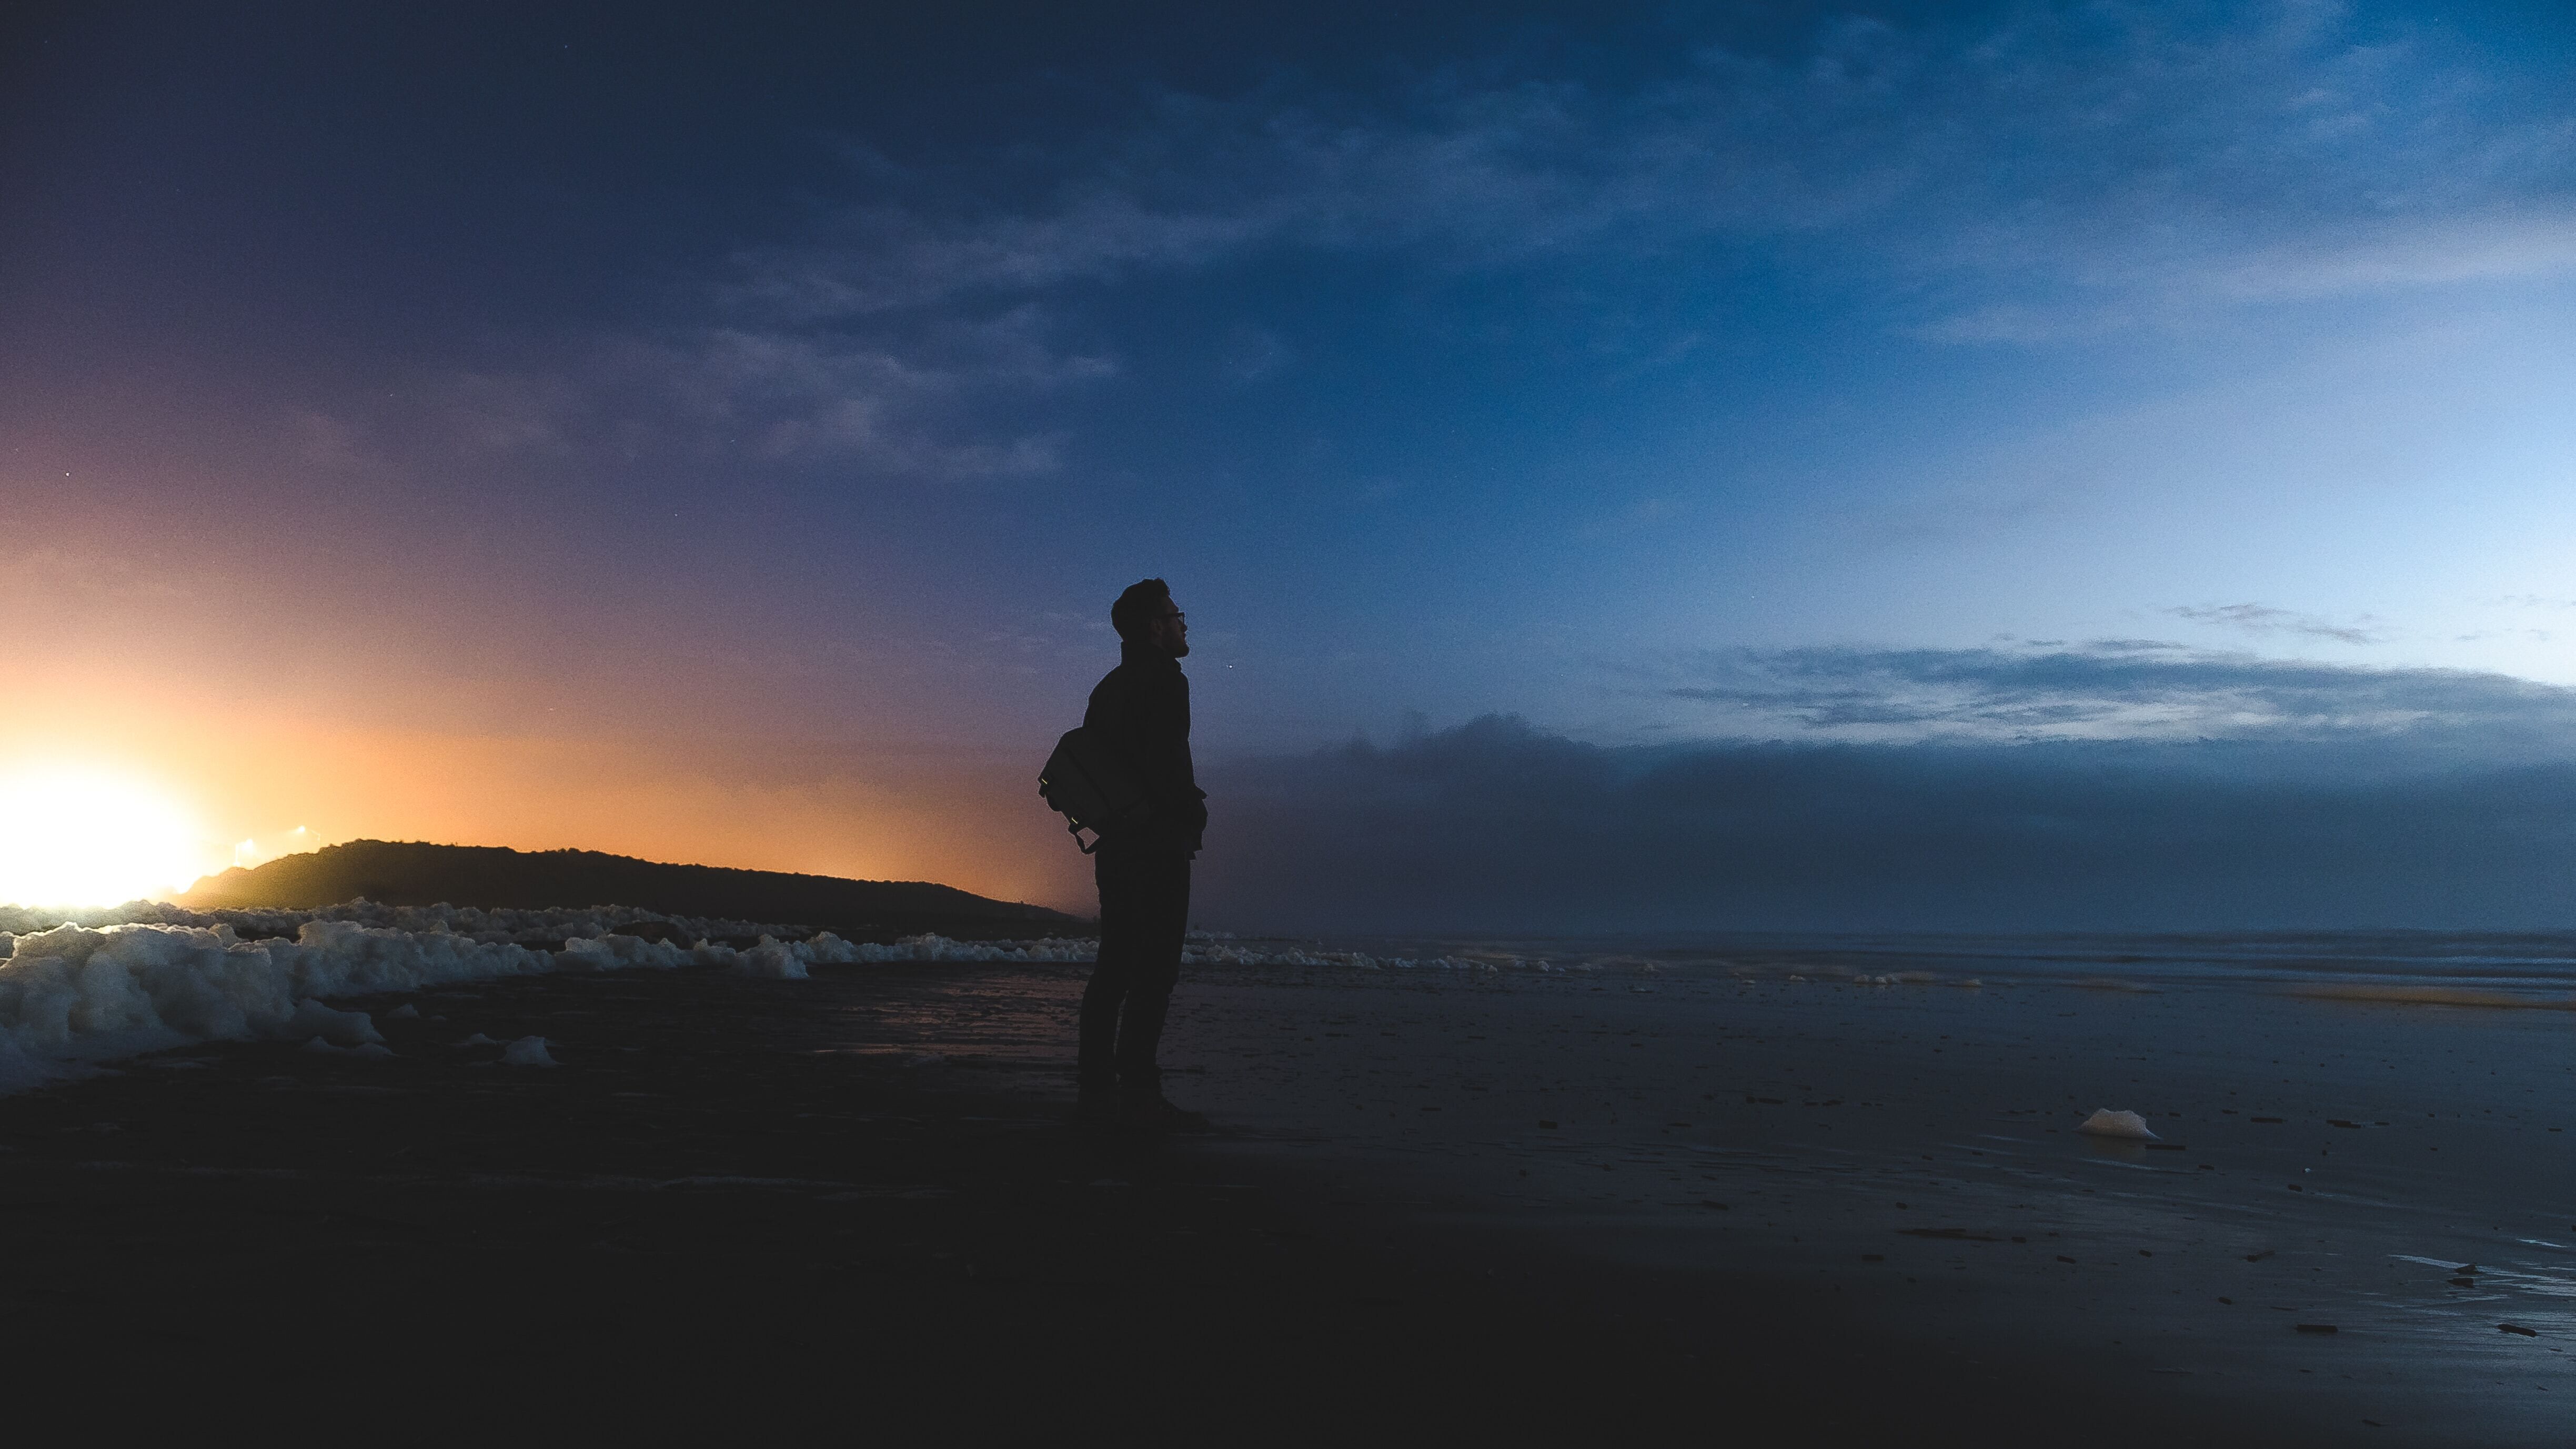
x: 2119, y: 690
x: 864, y: 400
x: 1498, y: 827
x: 2065, y: 169
x: 890, y: 403
x: 880, y: 258
x: 2263, y: 619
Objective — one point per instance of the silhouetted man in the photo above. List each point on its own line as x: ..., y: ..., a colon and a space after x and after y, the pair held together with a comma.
x: 1142, y: 711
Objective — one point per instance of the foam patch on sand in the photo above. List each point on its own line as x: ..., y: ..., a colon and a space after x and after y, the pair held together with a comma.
x: 1213, y: 955
x: 527, y: 1051
x: 2435, y: 996
x: 1212, y: 949
x: 534, y: 928
x: 1202, y: 951
x: 579, y: 931
x: 72, y: 994
x: 78, y: 992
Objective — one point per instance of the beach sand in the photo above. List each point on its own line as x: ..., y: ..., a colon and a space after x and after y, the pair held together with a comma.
x: 1765, y: 1212
x: 1908, y: 1156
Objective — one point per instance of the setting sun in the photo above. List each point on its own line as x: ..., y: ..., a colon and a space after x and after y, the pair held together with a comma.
x: 84, y: 837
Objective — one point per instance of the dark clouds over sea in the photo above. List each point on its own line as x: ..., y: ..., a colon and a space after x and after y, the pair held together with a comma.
x: 2227, y: 795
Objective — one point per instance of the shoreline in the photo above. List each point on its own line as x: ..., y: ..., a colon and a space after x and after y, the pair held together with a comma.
x: 868, y: 1175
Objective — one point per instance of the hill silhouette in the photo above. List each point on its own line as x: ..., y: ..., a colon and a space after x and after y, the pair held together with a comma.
x: 411, y: 873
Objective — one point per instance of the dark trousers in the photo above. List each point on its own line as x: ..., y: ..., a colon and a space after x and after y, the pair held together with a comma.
x: 1144, y: 914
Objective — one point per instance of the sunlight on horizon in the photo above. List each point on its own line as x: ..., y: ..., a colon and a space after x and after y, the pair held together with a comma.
x: 249, y: 853
x: 83, y: 836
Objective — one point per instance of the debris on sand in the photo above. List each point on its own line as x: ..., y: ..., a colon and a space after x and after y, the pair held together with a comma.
x: 527, y: 1051
x: 370, y: 1050
x: 2107, y: 1123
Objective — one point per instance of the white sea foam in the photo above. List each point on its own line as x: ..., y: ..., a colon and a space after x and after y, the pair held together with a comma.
x: 612, y: 952
x: 770, y: 959
x: 148, y: 976
x: 74, y: 994
x: 537, y: 928
x: 1363, y: 961
x: 338, y: 1028
x: 593, y: 935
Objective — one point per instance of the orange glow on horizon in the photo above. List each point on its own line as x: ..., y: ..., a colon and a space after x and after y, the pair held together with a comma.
x: 259, y: 788
x: 357, y: 721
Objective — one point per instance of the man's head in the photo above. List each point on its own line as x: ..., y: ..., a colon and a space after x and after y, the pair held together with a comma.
x: 1145, y: 614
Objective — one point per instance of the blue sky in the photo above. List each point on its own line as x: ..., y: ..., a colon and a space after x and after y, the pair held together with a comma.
x: 770, y: 404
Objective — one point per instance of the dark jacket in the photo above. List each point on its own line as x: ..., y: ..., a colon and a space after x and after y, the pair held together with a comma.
x: 1142, y: 708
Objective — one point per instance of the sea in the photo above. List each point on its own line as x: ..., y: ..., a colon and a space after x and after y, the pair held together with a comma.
x: 2501, y: 969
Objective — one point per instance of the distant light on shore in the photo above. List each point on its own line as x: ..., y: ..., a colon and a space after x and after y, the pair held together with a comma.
x: 83, y: 836
x: 250, y: 852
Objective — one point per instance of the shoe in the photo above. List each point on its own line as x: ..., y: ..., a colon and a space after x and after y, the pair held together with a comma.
x: 1155, y: 1112
x: 1100, y: 1105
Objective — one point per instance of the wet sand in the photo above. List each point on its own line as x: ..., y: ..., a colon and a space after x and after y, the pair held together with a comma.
x: 1908, y: 1156
x: 1771, y: 1213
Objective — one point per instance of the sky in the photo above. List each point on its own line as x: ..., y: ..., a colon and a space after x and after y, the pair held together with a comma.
x: 1591, y: 442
